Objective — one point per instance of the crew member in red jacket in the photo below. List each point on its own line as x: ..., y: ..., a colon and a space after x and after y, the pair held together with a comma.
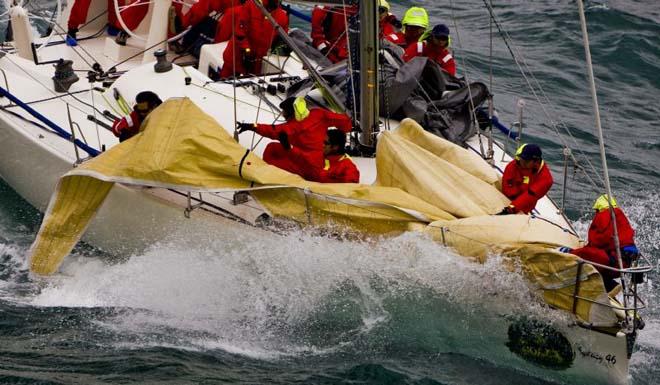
x: 415, y: 23
x: 250, y: 38
x: 338, y: 166
x: 238, y: 56
x: 261, y: 32
x: 435, y: 47
x: 129, y: 126
x: 329, y: 31
x: 205, y: 8
x: 526, y: 179
x: 132, y: 17
x: 600, y: 246
x: 388, y: 24
x: 305, y: 130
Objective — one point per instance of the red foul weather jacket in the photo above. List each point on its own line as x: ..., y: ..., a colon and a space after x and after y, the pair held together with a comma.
x: 132, y: 16
x: 441, y: 56
x: 253, y: 35
x: 338, y: 169
x: 525, y: 187
x: 203, y: 8
x: 329, y: 30
x: 307, y: 136
x: 128, y: 125
x: 600, y: 247
x: 601, y: 231
x: 388, y: 31
x: 238, y: 47
x: 261, y: 32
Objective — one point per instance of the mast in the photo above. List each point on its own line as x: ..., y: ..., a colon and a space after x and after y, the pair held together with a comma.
x: 369, y: 121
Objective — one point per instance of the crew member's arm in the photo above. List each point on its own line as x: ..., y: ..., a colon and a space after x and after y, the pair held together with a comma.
x: 319, y: 40
x: 601, y: 231
x: 272, y: 131
x: 341, y: 121
x: 448, y: 63
x: 534, y: 191
x: 413, y: 50
x: 510, y: 184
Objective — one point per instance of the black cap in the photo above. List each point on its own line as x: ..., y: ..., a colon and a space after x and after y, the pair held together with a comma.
x: 440, y: 30
x: 531, y: 152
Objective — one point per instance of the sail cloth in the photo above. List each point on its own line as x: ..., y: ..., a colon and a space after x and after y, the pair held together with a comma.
x: 531, y: 243
x: 437, y: 171
x: 422, y: 180
x: 183, y: 148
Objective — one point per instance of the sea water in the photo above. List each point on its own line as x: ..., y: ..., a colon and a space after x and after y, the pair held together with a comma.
x: 241, y: 307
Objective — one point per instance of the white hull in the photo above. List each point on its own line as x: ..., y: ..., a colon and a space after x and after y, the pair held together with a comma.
x: 32, y: 160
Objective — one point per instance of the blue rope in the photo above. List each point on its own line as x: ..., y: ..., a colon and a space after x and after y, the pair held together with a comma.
x: 496, y: 122
x: 57, y: 129
x: 292, y: 11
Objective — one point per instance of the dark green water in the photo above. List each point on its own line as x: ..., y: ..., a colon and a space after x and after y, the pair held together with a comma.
x: 237, y: 309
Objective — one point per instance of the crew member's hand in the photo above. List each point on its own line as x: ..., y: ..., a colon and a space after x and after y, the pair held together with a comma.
x: 284, y: 140
x: 241, y: 127
x: 507, y: 210
x: 248, y: 59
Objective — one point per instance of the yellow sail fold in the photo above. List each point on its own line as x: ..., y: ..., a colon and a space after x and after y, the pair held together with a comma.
x: 424, y: 183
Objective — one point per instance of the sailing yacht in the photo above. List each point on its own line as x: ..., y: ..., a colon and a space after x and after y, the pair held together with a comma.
x: 189, y: 165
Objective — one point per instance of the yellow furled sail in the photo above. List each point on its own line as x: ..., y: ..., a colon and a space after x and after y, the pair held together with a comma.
x: 181, y: 147
x: 424, y: 183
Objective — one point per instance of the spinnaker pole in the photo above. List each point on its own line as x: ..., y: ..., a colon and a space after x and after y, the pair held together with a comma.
x: 599, y: 131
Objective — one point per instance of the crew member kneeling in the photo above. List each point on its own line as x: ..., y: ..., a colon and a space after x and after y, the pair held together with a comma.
x: 305, y: 130
x: 526, y: 179
x: 129, y: 126
x: 600, y: 246
x: 337, y: 166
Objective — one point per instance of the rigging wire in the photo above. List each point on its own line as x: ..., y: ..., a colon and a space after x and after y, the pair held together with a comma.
x: 473, y: 110
x: 510, y: 46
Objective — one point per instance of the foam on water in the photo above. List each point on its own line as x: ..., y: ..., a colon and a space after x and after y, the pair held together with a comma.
x: 250, y: 292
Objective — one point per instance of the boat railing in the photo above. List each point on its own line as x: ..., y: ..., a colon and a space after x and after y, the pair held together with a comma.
x: 56, y: 129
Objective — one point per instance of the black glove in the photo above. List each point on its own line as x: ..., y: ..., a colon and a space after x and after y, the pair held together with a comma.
x: 248, y: 60
x: 241, y: 127
x: 507, y: 210
x: 284, y: 140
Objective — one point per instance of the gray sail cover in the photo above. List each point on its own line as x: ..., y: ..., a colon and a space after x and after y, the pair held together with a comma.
x: 418, y: 89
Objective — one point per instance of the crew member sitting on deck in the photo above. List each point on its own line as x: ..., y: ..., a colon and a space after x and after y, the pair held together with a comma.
x: 600, y: 246
x: 435, y: 47
x: 304, y: 129
x: 526, y: 179
x: 415, y: 22
x: 338, y: 166
x: 132, y: 17
x: 129, y: 126
x: 329, y: 31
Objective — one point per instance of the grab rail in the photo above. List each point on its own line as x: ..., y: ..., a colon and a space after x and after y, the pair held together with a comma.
x: 57, y: 129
